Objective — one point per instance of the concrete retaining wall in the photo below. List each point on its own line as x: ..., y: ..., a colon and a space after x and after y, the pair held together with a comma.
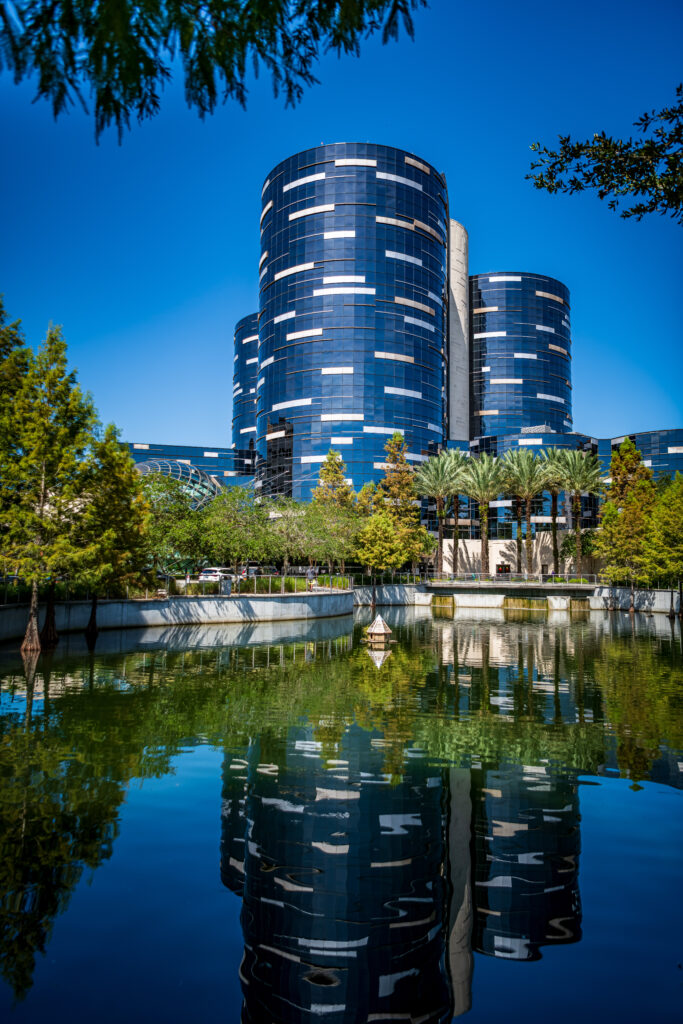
x: 392, y: 594
x: 182, y: 611
x: 619, y: 598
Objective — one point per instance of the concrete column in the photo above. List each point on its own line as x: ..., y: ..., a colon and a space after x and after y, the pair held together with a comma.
x: 458, y: 335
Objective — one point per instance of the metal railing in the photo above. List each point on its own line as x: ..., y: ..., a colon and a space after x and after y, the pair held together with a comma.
x: 514, y: 578
x: 263, y: 585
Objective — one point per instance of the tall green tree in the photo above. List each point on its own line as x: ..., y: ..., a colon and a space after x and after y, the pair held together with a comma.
x: 124, y: 54
x: 332, y: 487
x: 625, y: 517
x: 646, y: 172
x: 435, y: 479
x: 289, y: 532
x: 663, y: 549
x: 396, y: 490
x: 51, y: 422
x: 484, y: 481
x: 525, y: 477
x: 554, y: 484
x: 172, y: 529
x: 380, y: 544
x: 110, y: 528
x: 582, y: 475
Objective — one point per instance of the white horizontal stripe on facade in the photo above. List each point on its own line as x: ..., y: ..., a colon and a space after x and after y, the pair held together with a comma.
x: 303, y: 181
x: 248, y: 430
x: 284, y: 316
x: 525, y: 355
x: 235, y: 358
x: 501, y: 503
x: 540, y: 327
x: 264, y: 257
x: 394, y: 355
x: 267, y: 362
x: 342, y: 291
x: 252, y: 391
x: 401, y: 301
x: 236, y: 393
x: 529, y: 440
x: 382, y: 430
x: 385, y: 176
x: 263, y: 190
x: 396, y: 223
x: 341, y: 440
x: 550, y: 398
x: 550, y: 295
x: 260, y: 383
x: 292, y: 404
x: 402, y: 256
x: 264, y: 211
x: 314, y: 332
x: 433, y: 296
x: 487, y: 412
x: 336, y: 369
x: 210, y: 455
x: 430, y: 230
x: 254, y: 360
x: 491, y: 334
x: 675, y: 450
x: 435, y: 428
x: 276, y: 433
x: 558, y: 348
x: 405, y: 392
x: 417, y: 163
x: 312, y: 458
x: 293, y: 270
x: 345, y: 279
x: 418, y: 323
x: 339, y: 234
x: 263, y: 273
x: 354, y: 161
x: 230, y: 472
x: 380, y: 465
x: 141, y: 446
x: 646, y: 462
x: 412, y: 457
x: 331, y: 417
x: 493, y: 280
x: 252, y: 337
x: 506, y: 380
x: 311, y: 210
x: 486, y: 369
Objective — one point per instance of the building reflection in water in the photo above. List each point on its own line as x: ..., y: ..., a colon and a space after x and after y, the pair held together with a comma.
x: 364, y: 896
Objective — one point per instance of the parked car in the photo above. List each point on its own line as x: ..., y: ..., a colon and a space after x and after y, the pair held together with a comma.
x: 251, y: 571
x: 214, y: 574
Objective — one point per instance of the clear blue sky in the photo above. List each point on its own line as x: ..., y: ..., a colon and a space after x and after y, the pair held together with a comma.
x: 147, y: 253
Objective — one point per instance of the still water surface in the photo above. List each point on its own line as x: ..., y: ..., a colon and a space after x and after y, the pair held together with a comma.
x: 270, y: 825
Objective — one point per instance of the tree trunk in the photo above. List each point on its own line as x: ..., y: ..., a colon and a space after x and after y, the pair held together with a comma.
x: 32, y: 636
x: 577, y: 530
x: 518, y: 539
x: 484, y: 528
x: 49, y: 637
x: 632, y: 605
x: 29, y: 657
x: 91, y: 629
x: 439, y: 526
x: 529, y: 539
x: 553, y: 514
x: 456, y: 534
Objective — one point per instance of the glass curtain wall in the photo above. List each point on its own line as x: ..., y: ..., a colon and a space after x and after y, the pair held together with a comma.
x: 245, y: 372
x: 352, y: 313
x: 521, y: 354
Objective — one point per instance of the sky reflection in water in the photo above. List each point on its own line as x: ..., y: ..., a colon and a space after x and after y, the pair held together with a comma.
x: 488, y: 823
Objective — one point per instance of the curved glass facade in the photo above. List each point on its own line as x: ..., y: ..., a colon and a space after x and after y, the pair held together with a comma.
x: 520, y: 354
x: 244, y: 377
x: 352, y: 313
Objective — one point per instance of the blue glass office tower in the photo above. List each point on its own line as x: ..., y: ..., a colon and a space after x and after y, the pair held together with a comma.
x: 520, y: 354
x: 245, y: 373
x: 352, y: 313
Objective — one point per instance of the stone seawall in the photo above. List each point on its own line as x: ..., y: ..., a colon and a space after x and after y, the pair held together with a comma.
x: 73, y: 616
x: 392, y: 594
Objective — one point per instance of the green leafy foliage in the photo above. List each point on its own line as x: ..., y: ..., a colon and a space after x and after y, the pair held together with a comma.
x: 124, y: 53
x: 647, y: 172
x: 625, y: 517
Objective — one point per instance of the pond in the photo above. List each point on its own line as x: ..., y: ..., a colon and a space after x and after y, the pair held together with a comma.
x: 275, y: 824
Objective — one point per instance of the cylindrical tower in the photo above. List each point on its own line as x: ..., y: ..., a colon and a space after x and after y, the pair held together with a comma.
x: 520, y: 354
x: 352, y: 324
x: 245, y: 373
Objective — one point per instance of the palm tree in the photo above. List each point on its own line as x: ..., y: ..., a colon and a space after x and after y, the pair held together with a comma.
x: 554, y: 483
x: 581, y: 476
x: 459, y: 462
x: 484, y: 480
x: 525, y: 476
x: 435, y: 479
